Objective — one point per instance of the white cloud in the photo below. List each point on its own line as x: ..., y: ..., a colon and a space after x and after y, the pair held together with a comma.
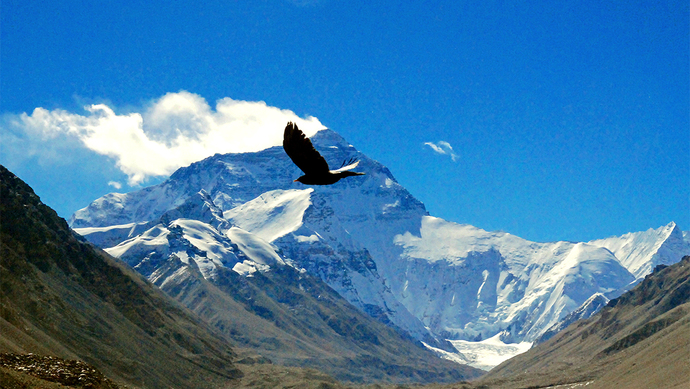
x: 444, y: 148
x: 115, y: 184
x: 173, y: 131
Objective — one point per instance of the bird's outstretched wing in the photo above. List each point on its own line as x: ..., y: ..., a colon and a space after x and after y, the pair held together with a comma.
x: 299, y: 148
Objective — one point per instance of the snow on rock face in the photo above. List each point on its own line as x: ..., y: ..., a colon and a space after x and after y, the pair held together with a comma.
x: 197, y: 206
x: 586, y: 310
x: 189, y: 240
x: 641, y: 252
x: 467, y: 283
x: 134, y: 207
x: 257, y: 249
x: 273, y: 214
x: 200, y: 244
x: 450, y: 297
x: 111, y: 235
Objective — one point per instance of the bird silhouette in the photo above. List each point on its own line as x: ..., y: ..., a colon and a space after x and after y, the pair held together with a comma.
x: 316, y: 172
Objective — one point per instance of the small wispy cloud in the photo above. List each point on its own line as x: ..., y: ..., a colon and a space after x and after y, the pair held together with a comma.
x: 172, y: 131
x: 115, y: 184
x: 443, y: 148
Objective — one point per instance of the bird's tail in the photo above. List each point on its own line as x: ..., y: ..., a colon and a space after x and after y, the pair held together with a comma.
x: 348, y: 164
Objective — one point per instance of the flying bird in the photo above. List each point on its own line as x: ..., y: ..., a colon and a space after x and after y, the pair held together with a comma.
x: 316, y: 172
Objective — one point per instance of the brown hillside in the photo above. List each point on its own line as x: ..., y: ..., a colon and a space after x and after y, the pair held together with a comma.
x: 60, y: 296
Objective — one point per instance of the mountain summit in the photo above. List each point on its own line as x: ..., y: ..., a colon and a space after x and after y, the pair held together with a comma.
x: 641, y: 252
x: 316, y: 171
x: 250, y: 196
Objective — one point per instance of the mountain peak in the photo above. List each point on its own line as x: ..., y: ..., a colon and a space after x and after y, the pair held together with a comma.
x: 328, y: 137
x: 641, y: 251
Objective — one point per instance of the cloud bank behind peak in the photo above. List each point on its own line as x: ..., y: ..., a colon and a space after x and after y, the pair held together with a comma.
x: 173, y: 131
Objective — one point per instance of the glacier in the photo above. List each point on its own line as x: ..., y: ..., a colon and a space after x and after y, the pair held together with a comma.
x: 369, y: 239
x: 484, y: 354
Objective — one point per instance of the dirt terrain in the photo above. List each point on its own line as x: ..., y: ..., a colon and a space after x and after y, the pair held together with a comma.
x: 31, y: 370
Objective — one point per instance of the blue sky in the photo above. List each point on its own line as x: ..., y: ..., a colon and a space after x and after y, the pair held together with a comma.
x: 552, y: 120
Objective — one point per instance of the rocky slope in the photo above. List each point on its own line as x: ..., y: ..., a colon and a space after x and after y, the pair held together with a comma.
x: 295, y: 319
x: 61, y: 296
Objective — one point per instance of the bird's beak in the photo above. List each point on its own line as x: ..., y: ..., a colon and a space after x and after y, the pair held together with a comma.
x: 294, y: 180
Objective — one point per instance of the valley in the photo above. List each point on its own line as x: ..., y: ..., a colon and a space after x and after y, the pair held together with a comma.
x: 230, y: 275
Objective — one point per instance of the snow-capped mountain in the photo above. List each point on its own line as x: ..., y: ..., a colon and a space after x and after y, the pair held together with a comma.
x: 641, y: 252
x: 638, y: 340
x: 371, y: 241
x: 254, y: 193
x: 482, y: 283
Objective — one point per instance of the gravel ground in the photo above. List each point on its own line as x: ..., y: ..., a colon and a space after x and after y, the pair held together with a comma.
x: 71, y: 373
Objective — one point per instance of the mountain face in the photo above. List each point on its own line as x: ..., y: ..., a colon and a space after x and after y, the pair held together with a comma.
x: 61, y: 296
x: 371, y: 241
x: 585, y: 311
x: 295, y: 319
x: 252, y: 198
x: 638, y: 340
x: 222, y: 223
x: 484, y: 283
x: 641, y: 252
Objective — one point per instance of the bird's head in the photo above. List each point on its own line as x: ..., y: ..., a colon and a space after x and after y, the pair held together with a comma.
x: 310, y: 180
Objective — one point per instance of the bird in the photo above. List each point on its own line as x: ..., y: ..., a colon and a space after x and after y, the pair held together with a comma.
x: 316, y: 172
